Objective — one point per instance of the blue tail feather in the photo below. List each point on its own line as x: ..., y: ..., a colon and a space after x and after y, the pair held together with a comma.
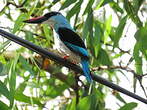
x: 85, y: 66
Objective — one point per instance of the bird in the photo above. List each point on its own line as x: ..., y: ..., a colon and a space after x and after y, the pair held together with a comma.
x: 66, y: 40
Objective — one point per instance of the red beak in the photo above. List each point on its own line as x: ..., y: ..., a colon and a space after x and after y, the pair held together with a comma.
x: 36, y: 20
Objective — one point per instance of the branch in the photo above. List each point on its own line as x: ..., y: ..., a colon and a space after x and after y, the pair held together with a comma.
x: 67, y: 63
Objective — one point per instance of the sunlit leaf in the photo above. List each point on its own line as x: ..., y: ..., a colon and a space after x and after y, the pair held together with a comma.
x: 5, y: 44
x: 29, y: 36
x: 132, y: 13
x: 67, y: 3
x: 54, y: 91
x: 116, y: 7
x: 74, y: 10
x: 88, y: 8
x: 140, y: 46
x: 33, y: 7
x: 119, y: 97
x: 72, y: 105
x: 103, y: 58
x: 46, y: 32
x: 84, y: 103
x: 102, y: 3
x: 129, y: 106
x: 25, y: 65
x: 107, y: 28
x: 88, y: 25
x: 4, y: 90
x: 141, y: 38
x: 119, y: 31
x: 137, y: 4
x: 3, y: 106
x: 19, y: 22
x: 97, y: 38
x: 30, y: 100
x: 12, y: 80
x: 1, y: 68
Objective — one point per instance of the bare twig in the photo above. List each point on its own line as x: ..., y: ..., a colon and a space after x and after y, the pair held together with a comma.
x: 126, y: 68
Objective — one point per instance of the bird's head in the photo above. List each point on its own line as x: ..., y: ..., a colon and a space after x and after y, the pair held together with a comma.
x: 50, y: 18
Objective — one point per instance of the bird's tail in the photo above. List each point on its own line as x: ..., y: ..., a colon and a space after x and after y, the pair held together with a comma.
x: 85, y: 66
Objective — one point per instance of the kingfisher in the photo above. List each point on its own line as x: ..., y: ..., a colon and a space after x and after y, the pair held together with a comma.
x: 66, y: 40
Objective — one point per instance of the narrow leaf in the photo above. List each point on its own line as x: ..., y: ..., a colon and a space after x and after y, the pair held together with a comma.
x: 46, y: 32
x: 103, y: 58
x: 19, y: 22
x: 97, y: 38
x: 67, y: 3
x: 89, y: 6
x: 138, y: 59
x: 3, y: 45
x: 12, y: 80
x: 4, y: 90
x: 72, y: 105
x: 75, y: 9
x: 107, y: 28
x: 84, y: 103
x: 129, y: 106
x: 119, y: 30
x: 3, y: 106
x: 26, y: 99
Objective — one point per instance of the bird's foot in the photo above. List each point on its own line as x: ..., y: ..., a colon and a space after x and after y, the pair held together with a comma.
x: 74, y: 62
x: 46, y: 63
x: 66, y: 57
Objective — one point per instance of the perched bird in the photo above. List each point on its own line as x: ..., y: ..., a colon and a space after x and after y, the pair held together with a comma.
x: 67, y: 41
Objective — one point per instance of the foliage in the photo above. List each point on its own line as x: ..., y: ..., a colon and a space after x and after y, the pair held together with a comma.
x: 26, y: 83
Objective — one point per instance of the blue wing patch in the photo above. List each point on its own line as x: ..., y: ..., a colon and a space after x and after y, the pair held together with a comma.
x: 77, y: 49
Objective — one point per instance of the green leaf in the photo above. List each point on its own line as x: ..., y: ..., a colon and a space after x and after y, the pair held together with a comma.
x: 140, y: 46
x: 55, y: 90
x: 1, y: 68
x: 21, y: 87
x: 72, y: 105
x: 141, y: 38
x: 4, y: 90
x: 19, y: 22
x: 3, y: 45
x: 116, y: 7
x: 119, y: 30
x: 88, y: 25
x: 33, y: 7
x: 118, y: 96
x: 137, y: 4
x: 132, y: 13
x: 129, y: 106
x: 67, y: 3
x: 75, y: 9
x: 138, y: 59
x: 103, y: 58
x: 89, y: 6
x: 102, y: 3
x: 97, y: 38
x: 46, y: 31
x: 26, y: 99
x: 5, y: 68
x: 3, y: 106
x: 107, y: 28
x: 84, y: 103
x: 29, y: 36
x: 90, y: 102
x: 12, y: 80
x: 25, y: 65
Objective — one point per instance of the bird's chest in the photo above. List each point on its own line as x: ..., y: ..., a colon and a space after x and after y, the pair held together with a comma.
x: 64, y: 50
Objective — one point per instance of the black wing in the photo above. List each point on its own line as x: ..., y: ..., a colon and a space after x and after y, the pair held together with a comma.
x: 67, y: 35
